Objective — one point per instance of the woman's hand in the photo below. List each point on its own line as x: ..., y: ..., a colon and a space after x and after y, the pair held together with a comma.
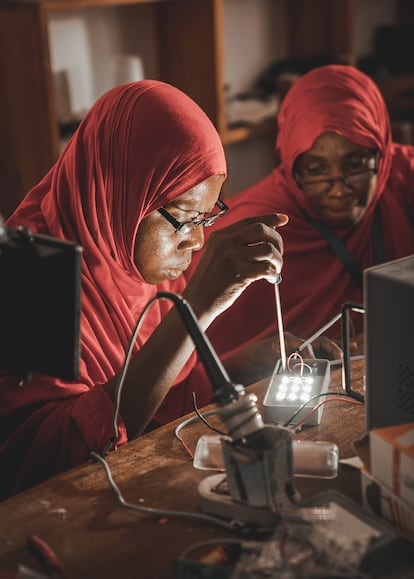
x: 321, y: 348
x: 257, y: 360
x: 325, y: 348
x: 235, y: 257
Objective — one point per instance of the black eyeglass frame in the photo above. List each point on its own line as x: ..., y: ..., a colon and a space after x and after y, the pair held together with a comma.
x: 343, y: 179
x: 184, y: 227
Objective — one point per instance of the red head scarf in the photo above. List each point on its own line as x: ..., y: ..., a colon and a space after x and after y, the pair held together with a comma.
x: 338, y: 99
x: 315, y: 284
x: 140, y: 146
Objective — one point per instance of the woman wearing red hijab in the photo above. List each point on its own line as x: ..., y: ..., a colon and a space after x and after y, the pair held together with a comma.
x: 347, y: 189
x: 134, y: 187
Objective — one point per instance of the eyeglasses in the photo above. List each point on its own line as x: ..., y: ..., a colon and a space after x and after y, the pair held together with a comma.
x: 186, y: 227
x: 350, y: 180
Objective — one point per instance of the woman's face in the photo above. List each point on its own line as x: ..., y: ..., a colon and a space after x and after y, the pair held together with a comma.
x: 320, y: 170
x: 161, y: 253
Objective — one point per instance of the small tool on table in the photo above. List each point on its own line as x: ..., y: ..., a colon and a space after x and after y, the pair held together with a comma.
x: 46, y: 557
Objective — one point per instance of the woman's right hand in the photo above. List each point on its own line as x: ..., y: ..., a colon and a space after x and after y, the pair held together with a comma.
x: 233, y: 258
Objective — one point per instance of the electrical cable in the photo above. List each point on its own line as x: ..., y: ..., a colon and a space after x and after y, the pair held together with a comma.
x: 189, y: 421
x: 342, y: 396
x: 159, y: 512
x: 201, y: 416
x: 209, y: 543
x: 123, y: 372
x: 118, y: 391
x: 337, y: 397
x: 122, y: 375
x: 314, y: 397
x: 301, y: 364
x: 100, y: 457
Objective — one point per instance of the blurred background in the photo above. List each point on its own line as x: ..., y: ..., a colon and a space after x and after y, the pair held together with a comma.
x: 236, y: 58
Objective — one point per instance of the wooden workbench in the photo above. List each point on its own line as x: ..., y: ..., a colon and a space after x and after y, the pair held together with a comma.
x: 78, y: 515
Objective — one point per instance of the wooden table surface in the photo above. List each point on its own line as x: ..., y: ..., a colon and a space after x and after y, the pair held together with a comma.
x: 78, y: 515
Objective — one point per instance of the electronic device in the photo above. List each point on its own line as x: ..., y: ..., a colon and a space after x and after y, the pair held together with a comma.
x: 293, y: 387
x: 318, y: 459
x: 40, y: 280
x: 257, y: 456
x: 389, y: 343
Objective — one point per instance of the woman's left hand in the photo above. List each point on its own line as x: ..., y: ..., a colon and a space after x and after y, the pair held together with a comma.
x: 325, y: 348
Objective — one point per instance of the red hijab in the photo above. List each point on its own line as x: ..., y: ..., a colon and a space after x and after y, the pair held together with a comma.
x: 315, y: 284
x: 140, y: 146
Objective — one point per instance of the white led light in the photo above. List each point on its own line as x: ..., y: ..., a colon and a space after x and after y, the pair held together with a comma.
x: 289, y: 389
x: 294, y: 388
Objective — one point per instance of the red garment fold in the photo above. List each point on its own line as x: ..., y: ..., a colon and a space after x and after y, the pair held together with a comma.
x: 139, y: 147
x: 315, y: 282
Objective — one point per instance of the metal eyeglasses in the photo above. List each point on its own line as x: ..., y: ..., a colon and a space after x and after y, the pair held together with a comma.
x: 350, y: 181
x: 186, y: 227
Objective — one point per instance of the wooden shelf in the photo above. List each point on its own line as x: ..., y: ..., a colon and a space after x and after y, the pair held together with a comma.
x: 233, y: 135
x: 190, y: 53
x: 56, y: 5
x: 29, y: 127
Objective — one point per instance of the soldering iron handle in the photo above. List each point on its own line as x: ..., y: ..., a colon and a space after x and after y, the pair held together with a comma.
x: 222, y: 385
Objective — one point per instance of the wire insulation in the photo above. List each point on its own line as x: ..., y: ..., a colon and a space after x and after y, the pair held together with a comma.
x: 158, y: 512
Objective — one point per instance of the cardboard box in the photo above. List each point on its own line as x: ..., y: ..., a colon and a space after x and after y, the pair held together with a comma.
x: 392, y: 459
x: 380, y: 501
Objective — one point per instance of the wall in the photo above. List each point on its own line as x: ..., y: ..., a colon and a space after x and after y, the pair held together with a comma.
x: 368, y: 15
x: 84, y: 44
x: 254, y: 37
